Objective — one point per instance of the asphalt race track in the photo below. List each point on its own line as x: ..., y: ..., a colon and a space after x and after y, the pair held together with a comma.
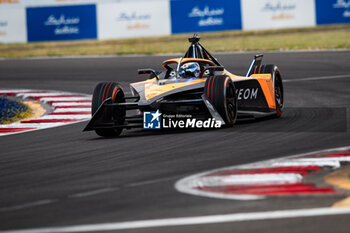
x: 64, y: 177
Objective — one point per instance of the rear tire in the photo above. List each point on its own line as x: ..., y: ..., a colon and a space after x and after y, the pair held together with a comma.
x: 102, y: 92
x: 277, y: 82
x: 221, y: 92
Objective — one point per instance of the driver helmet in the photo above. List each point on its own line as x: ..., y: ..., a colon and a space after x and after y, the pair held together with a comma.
x: 190, y: 70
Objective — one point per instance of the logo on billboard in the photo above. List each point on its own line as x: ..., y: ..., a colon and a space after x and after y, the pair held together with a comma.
x: 133, y: 17
x: 213, y: 16
x: 345, y: 5
x: 3, y: 23
x: 134, y: 20
x: 63, y: 24
x: 280, y: 9
x: 9, y: 1
x: 279, y: 6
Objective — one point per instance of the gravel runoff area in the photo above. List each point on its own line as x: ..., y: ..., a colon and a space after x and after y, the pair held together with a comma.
x: 12, y: 110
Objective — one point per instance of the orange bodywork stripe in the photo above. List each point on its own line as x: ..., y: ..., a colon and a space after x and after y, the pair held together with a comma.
x: 266, y: 83
x: 212, y: 90
x: 153, y: 89
x: 208, y: 89
x: 114, y: 91
x: 103, y: 93
x: 108, y: 89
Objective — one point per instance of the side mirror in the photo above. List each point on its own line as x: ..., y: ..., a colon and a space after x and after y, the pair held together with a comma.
x: 148, y: 71
x: 256, y: 62
x: 212, y: 69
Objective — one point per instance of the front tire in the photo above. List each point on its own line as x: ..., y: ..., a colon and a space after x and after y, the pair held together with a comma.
x: 102, y: 92
x: 278, y: 93
x: 221, y: 92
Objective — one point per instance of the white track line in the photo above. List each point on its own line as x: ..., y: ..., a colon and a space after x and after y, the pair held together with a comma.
x: 185, y: 221
x: 27, y: 205
x: 93, y: 192
x: 318, y: 78
x: 146, y: 182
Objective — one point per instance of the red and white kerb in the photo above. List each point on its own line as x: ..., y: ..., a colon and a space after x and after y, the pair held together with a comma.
x: 66, y: 108
x: 269, y: 178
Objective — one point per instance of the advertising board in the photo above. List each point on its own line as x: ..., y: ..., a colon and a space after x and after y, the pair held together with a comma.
x: 270, y: 14
x: 32, y: 3
x: 61, y: 23
x: 133, y: 19
x: 13, y: 25
x: 332, y: 11
x: 205, y: 15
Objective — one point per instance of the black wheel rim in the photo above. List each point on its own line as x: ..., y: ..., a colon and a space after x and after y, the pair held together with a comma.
x: 278, y: 94
x: 230, y: 103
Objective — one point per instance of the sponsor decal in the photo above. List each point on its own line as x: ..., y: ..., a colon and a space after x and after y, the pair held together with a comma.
x: 157, y: 120
x: 248, y: 93
x: 61, y: 23
x: 205, y: 15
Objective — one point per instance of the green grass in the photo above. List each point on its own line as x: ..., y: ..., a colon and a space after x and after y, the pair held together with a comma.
x: 314, y: 38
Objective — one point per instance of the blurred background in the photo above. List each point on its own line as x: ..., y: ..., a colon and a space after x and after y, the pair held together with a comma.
x: 23, y: 21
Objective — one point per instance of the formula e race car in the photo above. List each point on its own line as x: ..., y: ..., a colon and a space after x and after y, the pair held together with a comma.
x: 195, y: 84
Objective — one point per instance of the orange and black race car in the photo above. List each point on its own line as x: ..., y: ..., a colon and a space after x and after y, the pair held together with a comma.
x: 195, y: 84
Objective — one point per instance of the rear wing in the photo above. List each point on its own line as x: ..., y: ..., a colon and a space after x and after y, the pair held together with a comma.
x: 256, y: 62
